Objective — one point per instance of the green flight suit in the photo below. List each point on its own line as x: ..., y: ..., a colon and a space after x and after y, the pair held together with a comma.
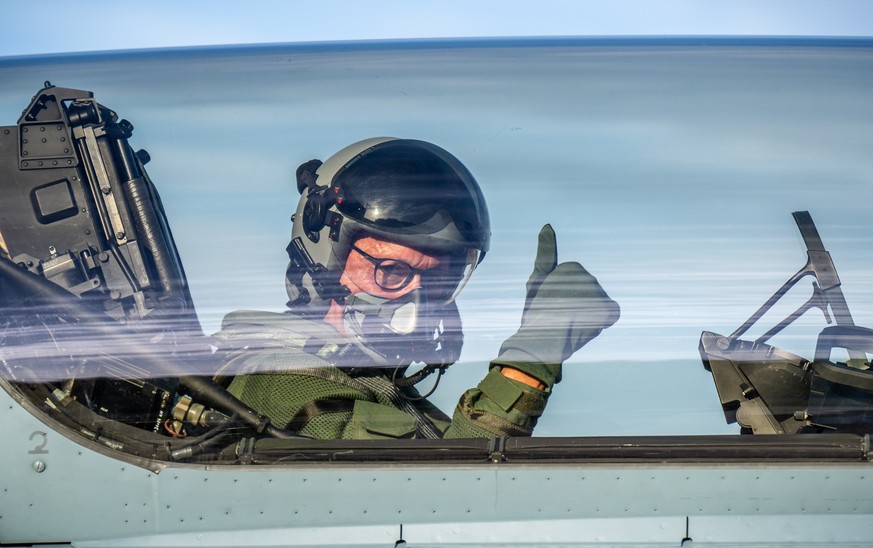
x: 283, y: 366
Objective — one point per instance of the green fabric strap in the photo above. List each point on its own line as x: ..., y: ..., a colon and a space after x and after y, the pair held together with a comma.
x: 318, y: 407
x: 471, y: 422
x: 509, y: 394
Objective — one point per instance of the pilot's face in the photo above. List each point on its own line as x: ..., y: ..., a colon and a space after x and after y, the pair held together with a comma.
x: 387, y: 269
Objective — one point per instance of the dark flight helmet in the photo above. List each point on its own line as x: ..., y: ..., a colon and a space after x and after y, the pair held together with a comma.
x: 405, y: 191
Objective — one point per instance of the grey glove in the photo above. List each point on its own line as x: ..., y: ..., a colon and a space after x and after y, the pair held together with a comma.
x: 565, y: 308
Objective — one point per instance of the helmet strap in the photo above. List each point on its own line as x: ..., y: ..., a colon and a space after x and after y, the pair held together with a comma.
x: 325, y: 282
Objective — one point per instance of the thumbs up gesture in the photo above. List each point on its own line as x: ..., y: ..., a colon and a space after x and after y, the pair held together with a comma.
x: 565, y: 307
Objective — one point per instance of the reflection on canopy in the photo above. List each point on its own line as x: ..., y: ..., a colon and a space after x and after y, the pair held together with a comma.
x: 670, y: 174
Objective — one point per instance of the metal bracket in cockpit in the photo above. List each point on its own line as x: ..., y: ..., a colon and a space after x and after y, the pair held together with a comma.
x: 767, y: 390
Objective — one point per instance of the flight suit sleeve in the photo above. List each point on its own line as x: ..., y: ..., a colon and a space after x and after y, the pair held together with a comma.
x: 565, y: 308
x: 498, y: 407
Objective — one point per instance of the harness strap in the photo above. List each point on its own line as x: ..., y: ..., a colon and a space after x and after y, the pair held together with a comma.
x: 387, y: 389
x: 316, y: 408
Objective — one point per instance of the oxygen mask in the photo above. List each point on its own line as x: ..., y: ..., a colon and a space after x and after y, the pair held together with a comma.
x: 402, y: 330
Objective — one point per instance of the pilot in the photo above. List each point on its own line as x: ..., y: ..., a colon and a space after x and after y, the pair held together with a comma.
x: 386, y: 234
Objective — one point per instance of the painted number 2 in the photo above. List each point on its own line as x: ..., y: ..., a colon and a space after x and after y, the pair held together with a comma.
x: 41, y: 440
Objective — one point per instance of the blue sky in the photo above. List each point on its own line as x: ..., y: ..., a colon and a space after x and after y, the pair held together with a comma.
x: 91, y: 25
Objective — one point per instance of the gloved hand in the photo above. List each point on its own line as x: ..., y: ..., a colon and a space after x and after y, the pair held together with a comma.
x: 565, y: 308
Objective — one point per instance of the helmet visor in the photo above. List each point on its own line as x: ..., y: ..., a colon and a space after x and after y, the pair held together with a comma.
x: 413, y: 187
x: 443, y: 284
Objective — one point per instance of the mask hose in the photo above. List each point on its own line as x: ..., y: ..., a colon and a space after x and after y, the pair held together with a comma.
x: 417, y: 377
